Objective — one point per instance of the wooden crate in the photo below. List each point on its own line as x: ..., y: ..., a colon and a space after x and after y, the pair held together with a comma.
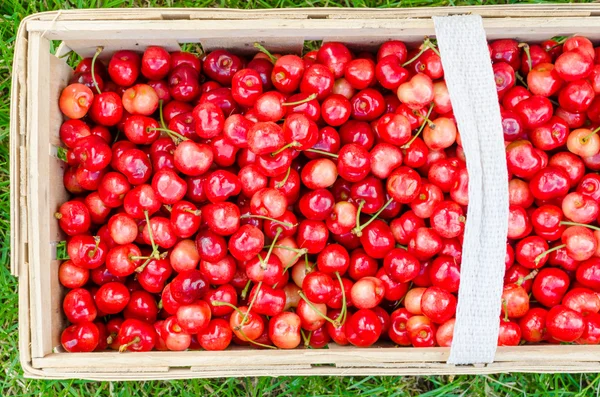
x: 37, y: 191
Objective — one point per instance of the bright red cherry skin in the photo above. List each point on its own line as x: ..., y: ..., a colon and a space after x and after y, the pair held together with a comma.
x: 363, y: 328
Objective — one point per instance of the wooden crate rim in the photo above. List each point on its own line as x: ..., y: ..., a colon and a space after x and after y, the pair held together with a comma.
x: 545, y: 358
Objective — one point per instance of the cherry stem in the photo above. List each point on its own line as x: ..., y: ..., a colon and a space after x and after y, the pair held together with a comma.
x: 160, y: 114
x: 358, y: 229
x: 285, y: 247
x: 531, y: 275
x: 335, y: 156
x: 279, y: 231
x: 141, y: 267
x: 124, y: 347
x: 521, y: 79
x: 305, y: 338
x: 221, y: 303
x: 540, y: 256
x: 265, y: 51
x: 344, y: 311
x: 588, y: 136
x: 254, y: 342
x: 312, y: 306
x: 281, y: 183
x: 292, y: 261
x: 281, y: 149
x: 282, y: 223
x: 172, y: 134
x: 154, y: 246
x: 407, y: 145
x: 98, y: 51
x: 93, y: 252
x: 404, y: 247
x: 580, y: 224
x: 301, y: 101
x: 245, y: 318
x: 245, y: 290
x: 193, y: 212
x: 357, y: 222
x: 525, y: 47
x: 427, y: 44
x: 505, y: 309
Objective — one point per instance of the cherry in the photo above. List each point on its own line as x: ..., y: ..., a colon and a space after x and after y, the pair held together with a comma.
x: 509, y: 333
x: 111, y: 298
x: 533, y: 325
x: 136, y: 335
x: 92, y: 152
x: 534, y: 111
x: 588, y: 273
x: 184, y: 256
x: 86, y: 251
x: 221, y: 66
x: 425, y: 244
x: 580, y: 208
x: 123, y: 229
x: 73, y: 217
x: 504, y: 77
x: 564, y: 324
x: 135, y: 165
x: 79, y: 307
x: 582, y: 300
x: 245, y: 324
x: 172, y: 336
x: 216, y: 336
x: 154, y: 275
x: 384, y: 158
x: 404, y: 227
x: 394, y: 129
x: 267, y: 300
x: 270, y: 106
x: 398, y: 331
x: 124, y: 67
x: 367, y: 292
x: 363, y: 328
x: 358, y: 132
x: 82, y: 337
x: 367, y: 105
x: 444, y: 273
x: 515, y: 301
x: 421, y: 331
x: 417, y: 92
x: 140, y: 199
x: 194, y: 317
x: 218, y: 273
x: 573, y: 65
x: 318, y: 287
x: 318, y: 79
x: 183, y: 84
x: 550, y: 182
x: 75, y: 100
x: 404, y: 184
x: 72, y: 276
x: 438, y: 304
x: 591, y: 333
x: 192, y: 158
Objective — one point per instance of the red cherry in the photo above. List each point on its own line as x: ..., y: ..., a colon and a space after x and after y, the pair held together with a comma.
x: 564, y: 324
x: 82, y: 337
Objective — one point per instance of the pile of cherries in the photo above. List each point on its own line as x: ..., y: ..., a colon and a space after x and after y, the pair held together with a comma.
x: 286, y: 200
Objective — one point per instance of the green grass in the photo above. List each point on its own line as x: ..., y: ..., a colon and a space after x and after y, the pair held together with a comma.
x: 11, y: 380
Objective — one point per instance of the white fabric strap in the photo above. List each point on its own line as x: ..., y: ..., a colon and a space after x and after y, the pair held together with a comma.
x: 470, y: 80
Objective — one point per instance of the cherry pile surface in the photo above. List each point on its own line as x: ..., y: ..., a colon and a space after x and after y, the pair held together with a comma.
x: 281, y: 200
